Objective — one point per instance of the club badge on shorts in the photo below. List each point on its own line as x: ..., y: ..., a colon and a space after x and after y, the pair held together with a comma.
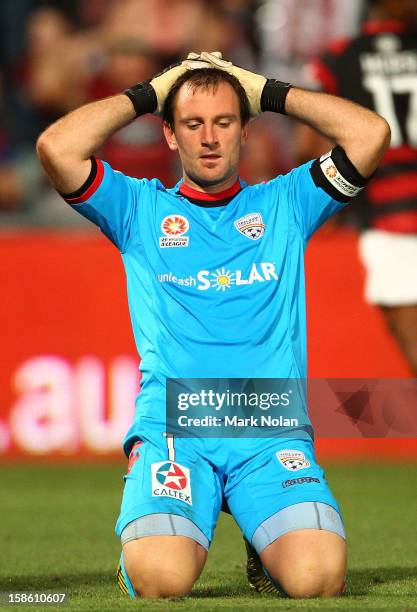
x: 170, y: 479
x: 251, y: 226
x: 292, y: 460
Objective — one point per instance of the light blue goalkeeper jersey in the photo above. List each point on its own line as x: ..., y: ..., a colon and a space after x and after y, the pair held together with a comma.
x: 213, y: 292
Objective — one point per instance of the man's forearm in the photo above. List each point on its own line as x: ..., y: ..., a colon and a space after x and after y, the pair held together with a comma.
x: 84, y: 131
x: 66, y: 146
x: 363, y: 134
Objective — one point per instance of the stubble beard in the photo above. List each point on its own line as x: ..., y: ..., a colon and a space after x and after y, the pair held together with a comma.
x: 202, y: 182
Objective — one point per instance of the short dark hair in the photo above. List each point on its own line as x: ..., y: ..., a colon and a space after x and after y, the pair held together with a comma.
x: 205, y: 78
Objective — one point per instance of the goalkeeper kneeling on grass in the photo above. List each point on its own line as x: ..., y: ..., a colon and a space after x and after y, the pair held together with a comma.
x: 216, y: 290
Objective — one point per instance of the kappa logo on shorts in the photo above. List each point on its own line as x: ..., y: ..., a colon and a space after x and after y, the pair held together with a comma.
x: 174, y: 227
x: 302, y: 480
x: 170, y: 479
x: 251, y: 226
x: 292, y: 460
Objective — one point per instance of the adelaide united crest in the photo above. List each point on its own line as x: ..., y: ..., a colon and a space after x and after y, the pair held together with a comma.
x: 251, y: 226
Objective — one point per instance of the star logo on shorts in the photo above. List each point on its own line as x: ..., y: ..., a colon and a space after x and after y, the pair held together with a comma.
x: 171, y: 480
x: 170, y: 475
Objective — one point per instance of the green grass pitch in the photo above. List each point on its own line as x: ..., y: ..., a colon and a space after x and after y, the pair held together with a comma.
x: 57, y: 534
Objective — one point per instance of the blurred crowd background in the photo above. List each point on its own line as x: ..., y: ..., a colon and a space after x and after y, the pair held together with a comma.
x: 68, y: 374
x: 58, y: 54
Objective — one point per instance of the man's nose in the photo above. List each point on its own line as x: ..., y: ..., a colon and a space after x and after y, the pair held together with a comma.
x: 209, y: 135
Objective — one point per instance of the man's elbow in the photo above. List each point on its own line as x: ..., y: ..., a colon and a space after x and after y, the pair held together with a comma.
x: 46, y: 148
x: 375, y: 142
x: 370, y: 145
x: 382, y: 134
x: 52, y: 154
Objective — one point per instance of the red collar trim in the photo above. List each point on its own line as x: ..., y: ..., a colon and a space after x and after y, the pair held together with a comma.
x: 383, y: 25
x: 209, y: 197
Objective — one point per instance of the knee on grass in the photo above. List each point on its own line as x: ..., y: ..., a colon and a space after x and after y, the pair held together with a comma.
x: 160, y: 582
x: 307, y: 584
x: 307, y: 563
x: 163, y: 565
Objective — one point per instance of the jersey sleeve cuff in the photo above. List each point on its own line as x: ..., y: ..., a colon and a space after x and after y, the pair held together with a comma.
x: 89, y: 187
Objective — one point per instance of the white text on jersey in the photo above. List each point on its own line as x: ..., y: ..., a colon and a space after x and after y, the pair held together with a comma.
x: 223, y: 278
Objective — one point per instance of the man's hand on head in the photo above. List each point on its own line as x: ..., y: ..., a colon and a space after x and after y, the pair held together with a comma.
x: 163, y: 81
x: 251, y: 82
x: 149, y: 97
x: 263, y: 94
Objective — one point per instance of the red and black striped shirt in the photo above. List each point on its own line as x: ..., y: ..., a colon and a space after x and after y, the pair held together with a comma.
x: 378, y: 69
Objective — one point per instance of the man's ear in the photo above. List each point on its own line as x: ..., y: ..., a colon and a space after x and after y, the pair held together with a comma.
x: 244, y: 134
x: 170, y: 136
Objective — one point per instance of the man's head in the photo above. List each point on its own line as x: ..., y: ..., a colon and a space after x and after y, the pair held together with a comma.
x: 205, y: 119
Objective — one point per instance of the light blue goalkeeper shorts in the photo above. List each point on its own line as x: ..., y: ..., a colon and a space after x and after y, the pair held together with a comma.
x: 181, y: 485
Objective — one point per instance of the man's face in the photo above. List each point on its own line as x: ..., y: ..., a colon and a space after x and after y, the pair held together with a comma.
x: 208, y: 134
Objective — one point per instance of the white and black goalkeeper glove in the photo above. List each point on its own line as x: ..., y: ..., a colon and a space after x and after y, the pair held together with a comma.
x: 150, y: 96
x: 263, y: 94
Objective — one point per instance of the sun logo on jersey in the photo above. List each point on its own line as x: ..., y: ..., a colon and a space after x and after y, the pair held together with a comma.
x: 174, y: 225
x: 222, y: 279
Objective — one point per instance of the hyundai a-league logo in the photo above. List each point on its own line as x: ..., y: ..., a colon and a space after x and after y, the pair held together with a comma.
x: 251, y: 226
x: 331, y: 171
x: 293, y: 460
x: 174, y: 227
x: 170, y: 479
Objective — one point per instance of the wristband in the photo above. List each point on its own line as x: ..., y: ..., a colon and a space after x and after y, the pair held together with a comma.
x: 143, y: 98
x: 273, y: 96
x: 335, y: 173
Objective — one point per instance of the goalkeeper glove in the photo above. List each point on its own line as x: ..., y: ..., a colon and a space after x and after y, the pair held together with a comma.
x: 150, y: 96
x: 263, y: 94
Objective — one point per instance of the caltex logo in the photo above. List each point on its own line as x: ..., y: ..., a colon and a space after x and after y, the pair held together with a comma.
x: 175, y: 225
x: 171, y: 480
x: 171, y: 475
